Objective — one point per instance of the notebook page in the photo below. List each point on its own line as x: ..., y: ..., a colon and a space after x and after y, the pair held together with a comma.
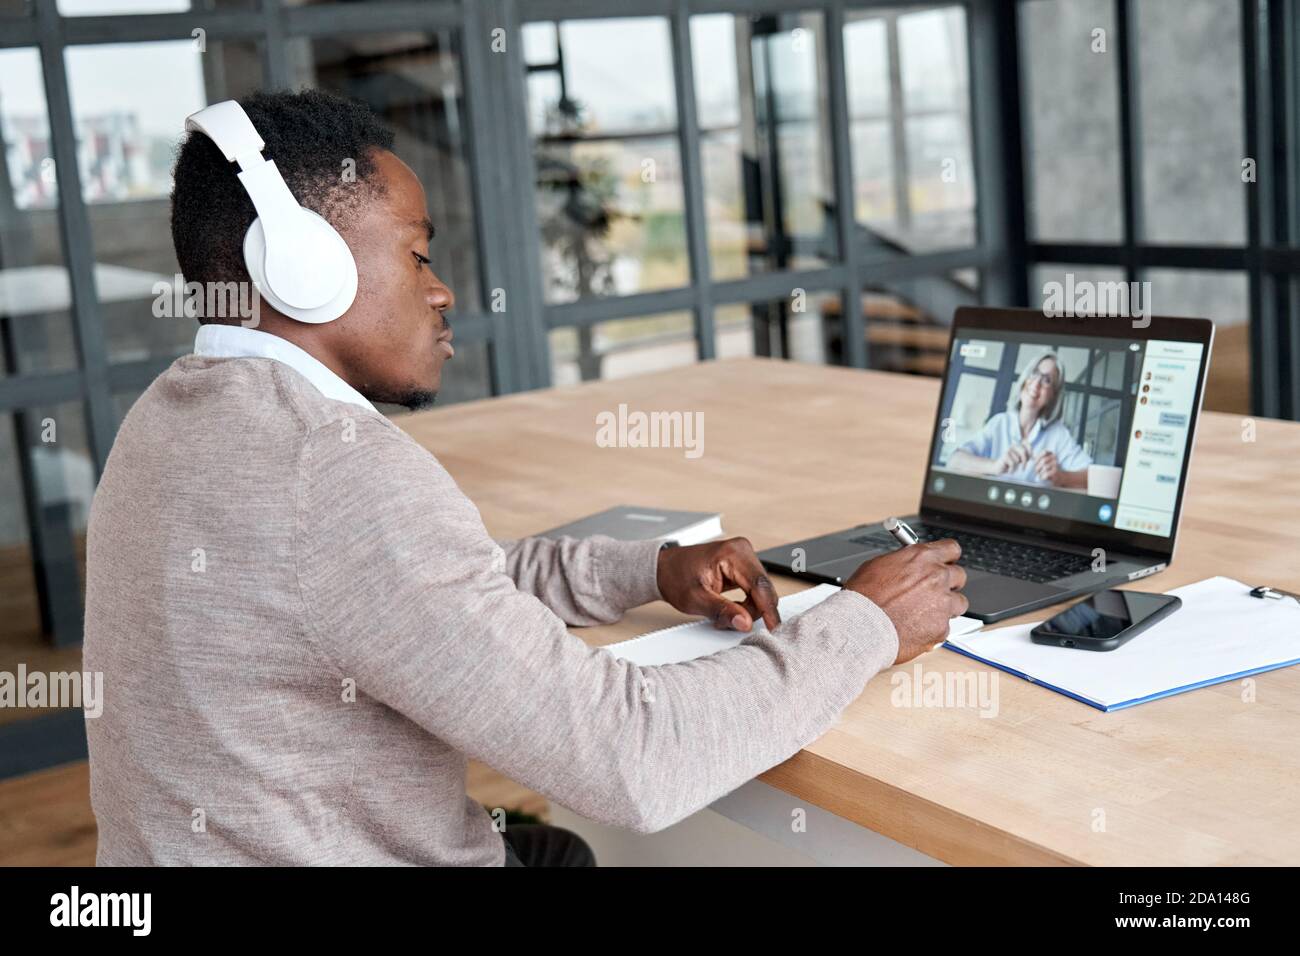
x: 686, y: 642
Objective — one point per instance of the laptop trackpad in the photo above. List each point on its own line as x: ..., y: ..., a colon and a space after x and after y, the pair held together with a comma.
x: 994, y: 594
x: 842, y: 569
x: 828, y: 550
x: 987, y: 593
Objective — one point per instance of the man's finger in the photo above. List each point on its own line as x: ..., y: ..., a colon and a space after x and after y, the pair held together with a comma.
x: 728, y: 614
x: 757, y: 613
x: 946, y: 550
x: 764, y: 597
x: 747, y: 571
x: 960, y: 604
x: 758, y: 608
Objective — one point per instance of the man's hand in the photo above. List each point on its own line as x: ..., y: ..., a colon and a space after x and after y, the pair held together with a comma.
x: 918, y: 588
x: 692, y: 580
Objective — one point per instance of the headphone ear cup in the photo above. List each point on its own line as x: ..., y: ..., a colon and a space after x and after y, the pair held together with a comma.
x: 317, y: 270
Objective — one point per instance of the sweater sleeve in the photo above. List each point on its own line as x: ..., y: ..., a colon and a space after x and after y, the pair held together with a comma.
x: 585, y: 580
x: 404, y: 592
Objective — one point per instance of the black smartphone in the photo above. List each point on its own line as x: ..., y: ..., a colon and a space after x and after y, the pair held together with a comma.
x: 1105, y: 621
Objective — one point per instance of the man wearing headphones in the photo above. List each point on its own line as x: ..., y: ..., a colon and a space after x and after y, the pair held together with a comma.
x: 304, y: 627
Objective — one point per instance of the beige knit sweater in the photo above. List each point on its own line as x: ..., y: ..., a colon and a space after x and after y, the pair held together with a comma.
x: 305, y: 629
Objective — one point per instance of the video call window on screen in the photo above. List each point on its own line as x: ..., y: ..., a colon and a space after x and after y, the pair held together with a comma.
x: 1074, y: 397
x: 1084, y: 428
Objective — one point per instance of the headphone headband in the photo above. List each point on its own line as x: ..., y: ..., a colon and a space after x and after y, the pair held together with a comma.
x: 227, y: 125
x: 297, y: 260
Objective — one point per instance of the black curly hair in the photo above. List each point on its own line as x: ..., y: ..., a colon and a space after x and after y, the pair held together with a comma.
x: 309, y: 134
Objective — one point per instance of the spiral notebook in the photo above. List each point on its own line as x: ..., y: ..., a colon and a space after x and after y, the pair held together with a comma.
x: 1220, y: 633
x: 686, y: 642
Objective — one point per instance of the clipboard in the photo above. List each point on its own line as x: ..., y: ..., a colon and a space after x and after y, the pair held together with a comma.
x: 1221, y: 633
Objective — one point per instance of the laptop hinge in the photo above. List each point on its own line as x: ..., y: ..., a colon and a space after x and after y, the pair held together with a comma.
x: 1157, y: 560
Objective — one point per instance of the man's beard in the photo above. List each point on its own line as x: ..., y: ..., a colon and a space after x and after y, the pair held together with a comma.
x: 417, y: 399
x: 413, y: 399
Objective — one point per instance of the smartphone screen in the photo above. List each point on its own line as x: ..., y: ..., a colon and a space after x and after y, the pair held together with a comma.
x: 1105, y: 614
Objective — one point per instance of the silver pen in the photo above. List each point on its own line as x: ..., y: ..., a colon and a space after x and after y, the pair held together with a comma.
x: 901, y: 532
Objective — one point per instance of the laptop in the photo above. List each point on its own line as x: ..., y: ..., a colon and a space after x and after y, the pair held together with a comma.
x: 1058, y: 458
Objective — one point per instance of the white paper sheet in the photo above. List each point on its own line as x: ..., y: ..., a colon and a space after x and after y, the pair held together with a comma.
x: 1220, y: 633
x: 686, y: 642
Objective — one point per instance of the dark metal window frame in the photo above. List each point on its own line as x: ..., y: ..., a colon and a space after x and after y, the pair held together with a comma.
x: 1269, y: 257
x: 502, y: 166
x: 855, y: 269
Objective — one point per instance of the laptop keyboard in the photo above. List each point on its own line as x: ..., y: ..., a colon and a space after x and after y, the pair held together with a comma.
x: 979, y: 552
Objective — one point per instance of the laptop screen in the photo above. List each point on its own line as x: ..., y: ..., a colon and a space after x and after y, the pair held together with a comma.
x: 1076, y: 427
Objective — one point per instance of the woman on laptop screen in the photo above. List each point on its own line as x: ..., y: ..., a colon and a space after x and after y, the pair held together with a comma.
x: 1028, y: 442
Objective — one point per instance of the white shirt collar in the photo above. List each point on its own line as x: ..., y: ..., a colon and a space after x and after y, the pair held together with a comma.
x: 236, y: 341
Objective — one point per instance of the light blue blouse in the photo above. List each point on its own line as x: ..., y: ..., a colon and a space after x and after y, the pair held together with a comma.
x: 1003, y: 430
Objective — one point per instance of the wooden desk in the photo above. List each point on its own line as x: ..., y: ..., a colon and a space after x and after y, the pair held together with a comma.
x: 792, y: 450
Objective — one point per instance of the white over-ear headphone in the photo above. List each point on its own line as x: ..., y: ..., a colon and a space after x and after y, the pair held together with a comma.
x: 298, y: 262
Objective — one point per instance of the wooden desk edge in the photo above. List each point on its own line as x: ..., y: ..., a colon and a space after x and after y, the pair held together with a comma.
x: 904, y: 817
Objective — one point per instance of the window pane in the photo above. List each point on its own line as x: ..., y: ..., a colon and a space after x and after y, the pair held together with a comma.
x: 609, y: 191
x: 540, y: 43
x: 1191, y: 102
x: 35, y: 298
x: 1225, y: 298
x: 909, y: 126
x: 784, y: 328
x: 413, y: 82
x: 908, y: 320
x: 128, y: 130
x: 759, y: 90
x: 622, y: 347
x: 1071, y: 105
x: 718, y: 47
x: 619, y: 73
x: 47, y: 479
x: 543, y: 99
